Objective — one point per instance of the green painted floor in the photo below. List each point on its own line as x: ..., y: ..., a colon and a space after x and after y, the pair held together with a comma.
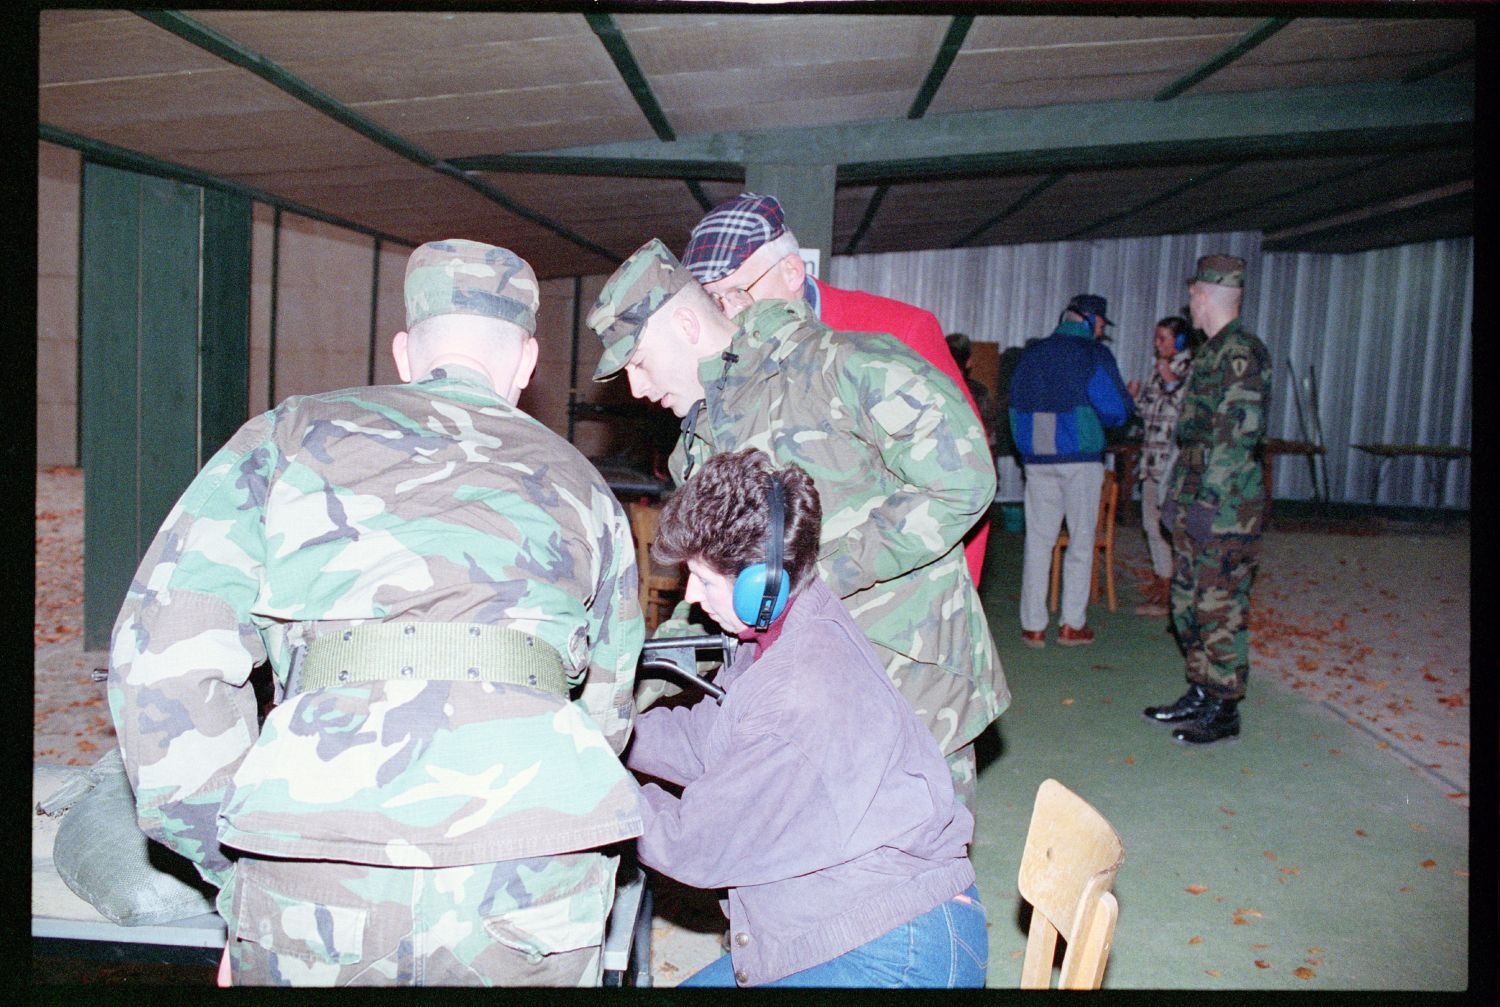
x: 1324, y: 863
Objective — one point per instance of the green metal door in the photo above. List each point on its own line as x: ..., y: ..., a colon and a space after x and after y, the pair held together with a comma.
x: 163, y: 345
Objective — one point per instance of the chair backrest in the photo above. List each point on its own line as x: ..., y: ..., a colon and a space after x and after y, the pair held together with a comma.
x: 1109, y: 503
x: 643, y: 517
x: 1068, y: 867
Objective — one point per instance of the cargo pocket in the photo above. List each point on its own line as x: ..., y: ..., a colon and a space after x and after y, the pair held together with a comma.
x: 302, y: 936
x: 570, y: 923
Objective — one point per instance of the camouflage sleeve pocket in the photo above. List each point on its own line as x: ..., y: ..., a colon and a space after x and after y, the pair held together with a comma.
x: 571, y: 923
x: 290, y: 927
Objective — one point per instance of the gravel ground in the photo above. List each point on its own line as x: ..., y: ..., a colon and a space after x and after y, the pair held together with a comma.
x: 1373, y: 626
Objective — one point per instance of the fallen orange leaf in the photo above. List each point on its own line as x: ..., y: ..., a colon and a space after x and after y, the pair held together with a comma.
x: 1195, y: 940
x: 1261, y: 963
x: 1269, y: 855
x: 1213, y: 972
x: 1291, y: 870
x: 1225, y: 810
x: 1129, y: 760
x: 1361, y: 833
x: 1068, y: 701
x: 1429, y: 863
x: 1196, y: 889
x: 1303, y: 972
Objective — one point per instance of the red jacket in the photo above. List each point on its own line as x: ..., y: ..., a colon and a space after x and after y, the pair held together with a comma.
x: 856, y: 311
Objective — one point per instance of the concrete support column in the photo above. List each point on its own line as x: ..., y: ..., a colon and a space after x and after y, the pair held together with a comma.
x: 806, y: 192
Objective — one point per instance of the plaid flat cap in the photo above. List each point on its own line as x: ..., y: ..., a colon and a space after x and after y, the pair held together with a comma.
x: 730, y: 234
x: 461, y: 277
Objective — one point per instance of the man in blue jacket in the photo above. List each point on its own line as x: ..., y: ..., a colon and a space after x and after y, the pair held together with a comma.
x: 1065, y: 390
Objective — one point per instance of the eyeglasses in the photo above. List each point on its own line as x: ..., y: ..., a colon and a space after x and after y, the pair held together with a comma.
x: 740, y: 298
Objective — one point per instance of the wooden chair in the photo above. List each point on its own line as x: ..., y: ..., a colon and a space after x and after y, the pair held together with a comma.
x: 1068, y: 867
x: 1104, y: 545
x: 661, y: 586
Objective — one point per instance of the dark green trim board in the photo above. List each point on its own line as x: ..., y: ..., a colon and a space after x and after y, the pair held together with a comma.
x: 618, y: 49
x: 109, y: 235
x: 1219, y: 61
x: 1436, y: 66
x: 225, y: 329
x: 573, y: 356
x: 1022, y: 200
x: 139, y: 338
x: 232, y: 52
x: 953, y: 41
x: 1200, y: 178
x: 872, y: 208
x: 1290, y: 193
x: 1339, y: 119
x: 119, y: 157
x: 374, y: 309
x: 275, y: 287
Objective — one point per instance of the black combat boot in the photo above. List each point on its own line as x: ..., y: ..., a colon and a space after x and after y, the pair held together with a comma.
x: 1218, y: 721
x: 1186, y: 707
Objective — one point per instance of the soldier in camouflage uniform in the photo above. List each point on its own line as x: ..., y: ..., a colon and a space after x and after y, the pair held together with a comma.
x: 1216, y: 507
x: 446, y: 593
x: 899, y: 458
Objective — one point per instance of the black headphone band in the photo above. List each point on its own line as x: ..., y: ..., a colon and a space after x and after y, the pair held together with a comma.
x: 776, y: 498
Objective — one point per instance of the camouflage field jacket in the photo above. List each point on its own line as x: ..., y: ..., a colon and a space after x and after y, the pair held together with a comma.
x: 903, y: 472
x: 435, y: 501
x: 1220, y: 430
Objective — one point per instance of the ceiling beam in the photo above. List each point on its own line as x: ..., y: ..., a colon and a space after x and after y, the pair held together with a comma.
x: 953, y: 41
x: 1202, y: 177
x: 1219, y: 61
x: 1302, y: 121
x: 603, y: 25
x: 1424, y: 203
x: 232, y: 52
x: 1203, y: 223
x: 1366, y: 213
x: 1026, y: 197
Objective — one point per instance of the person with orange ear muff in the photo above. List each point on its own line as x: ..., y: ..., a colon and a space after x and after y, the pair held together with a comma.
x: 811, y: 790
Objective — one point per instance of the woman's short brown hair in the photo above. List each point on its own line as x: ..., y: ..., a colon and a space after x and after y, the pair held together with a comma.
x: 721, y: 517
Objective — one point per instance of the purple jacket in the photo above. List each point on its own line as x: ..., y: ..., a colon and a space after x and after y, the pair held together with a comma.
x: 812, y: 793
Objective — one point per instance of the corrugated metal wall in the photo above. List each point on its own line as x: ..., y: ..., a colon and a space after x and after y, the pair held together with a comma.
x: 1388, y: 333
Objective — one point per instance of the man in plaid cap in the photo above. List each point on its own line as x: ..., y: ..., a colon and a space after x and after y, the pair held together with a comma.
x: 742, y: 251
x: 900, y: 461
x: 1066, y: 389
x: 446, y: 593
x: 1216, y: 506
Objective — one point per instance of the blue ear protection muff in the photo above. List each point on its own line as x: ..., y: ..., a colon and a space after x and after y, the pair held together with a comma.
x: 1179, y: 341
x: 760, y: 590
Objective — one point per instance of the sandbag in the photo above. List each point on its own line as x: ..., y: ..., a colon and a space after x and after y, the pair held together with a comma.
x: 104, y: 857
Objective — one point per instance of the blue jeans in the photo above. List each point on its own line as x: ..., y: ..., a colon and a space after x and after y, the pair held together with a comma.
x: 945, y: 948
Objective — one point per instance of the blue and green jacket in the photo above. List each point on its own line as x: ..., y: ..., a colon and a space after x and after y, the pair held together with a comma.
x: 1065, y: 390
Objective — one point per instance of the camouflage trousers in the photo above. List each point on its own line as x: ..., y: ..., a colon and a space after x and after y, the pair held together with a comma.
x: 1211, y: 608
x: 533, y: 922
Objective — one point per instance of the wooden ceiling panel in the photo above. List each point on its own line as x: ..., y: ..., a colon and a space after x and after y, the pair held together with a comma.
x: 415, y: 42
x: 945, y: 211
x: 841, y: 44
x: 1385, y: 180
x: 1312, y: 52
x: 1077, y: 59
x: 93, y: 47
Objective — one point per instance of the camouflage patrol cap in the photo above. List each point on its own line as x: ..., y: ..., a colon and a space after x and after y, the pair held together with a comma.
x: 631, y: 295
x: 461, y: 277
x: 1221, y: 270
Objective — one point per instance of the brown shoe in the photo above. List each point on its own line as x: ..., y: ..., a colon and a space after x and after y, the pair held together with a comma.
x: 1034, y: 638
x: 1067, y: 636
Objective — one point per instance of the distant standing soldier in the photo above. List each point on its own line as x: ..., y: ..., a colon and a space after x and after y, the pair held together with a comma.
x: 1216, y: 507
x: 1159, y: 401
x: 898, y: 455
x: 447, y: 595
